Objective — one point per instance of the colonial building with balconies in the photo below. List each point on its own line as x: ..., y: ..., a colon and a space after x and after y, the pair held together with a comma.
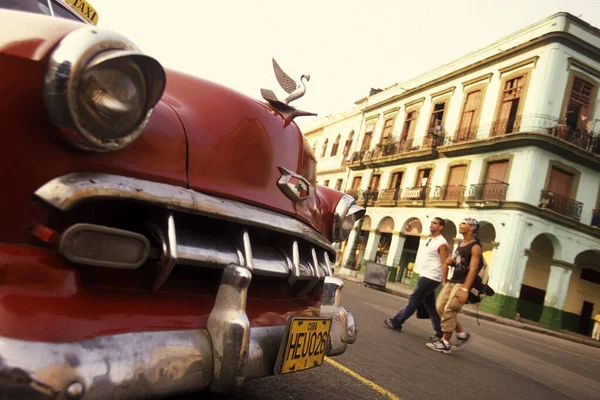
x: 508, y: 135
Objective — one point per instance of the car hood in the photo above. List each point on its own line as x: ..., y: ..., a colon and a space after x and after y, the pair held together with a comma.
x: 237, y: 145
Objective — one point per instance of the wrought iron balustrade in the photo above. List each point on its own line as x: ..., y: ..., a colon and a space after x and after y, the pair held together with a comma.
x: 561, y: 204
x: 449, y: 192
x: 353, y: 192
x: 389, y: 194
x: 415, y: 193
x: 540, y: 124
x: 488, y: 191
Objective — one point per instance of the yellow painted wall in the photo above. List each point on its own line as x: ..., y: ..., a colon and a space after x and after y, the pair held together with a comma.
x: 580, y: 291
x: 537, y: 272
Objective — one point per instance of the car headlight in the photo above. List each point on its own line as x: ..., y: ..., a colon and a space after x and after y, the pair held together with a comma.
x: 100, y: 90
x: 346, y: 214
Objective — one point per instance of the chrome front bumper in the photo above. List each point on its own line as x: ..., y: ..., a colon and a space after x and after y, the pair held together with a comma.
x: 144, y: 364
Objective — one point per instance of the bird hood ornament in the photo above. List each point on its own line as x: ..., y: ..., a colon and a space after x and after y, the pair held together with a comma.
x: 294, y: 89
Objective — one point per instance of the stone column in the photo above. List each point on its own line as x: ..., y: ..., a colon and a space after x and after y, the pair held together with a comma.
x: 349, y: 246
x: 396, y: 248
x: 556, y: 294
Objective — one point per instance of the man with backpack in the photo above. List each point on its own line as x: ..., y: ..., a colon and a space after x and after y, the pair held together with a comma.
x: 457, y: 283
x: 429, y: 268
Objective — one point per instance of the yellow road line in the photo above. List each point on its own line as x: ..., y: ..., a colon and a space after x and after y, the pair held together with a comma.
x: 363, y: 380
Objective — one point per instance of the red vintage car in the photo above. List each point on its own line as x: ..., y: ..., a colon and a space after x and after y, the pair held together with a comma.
x: 159, y: 233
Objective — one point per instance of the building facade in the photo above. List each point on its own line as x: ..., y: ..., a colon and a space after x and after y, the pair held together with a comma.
x: 507, y: 135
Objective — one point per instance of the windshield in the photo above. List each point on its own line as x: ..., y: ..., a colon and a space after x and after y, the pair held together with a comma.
x: 46, y: 7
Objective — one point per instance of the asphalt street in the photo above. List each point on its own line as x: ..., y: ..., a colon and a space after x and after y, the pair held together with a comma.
x: 500, y: 362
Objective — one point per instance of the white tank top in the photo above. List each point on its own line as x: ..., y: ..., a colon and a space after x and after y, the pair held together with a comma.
x: 430, y: 264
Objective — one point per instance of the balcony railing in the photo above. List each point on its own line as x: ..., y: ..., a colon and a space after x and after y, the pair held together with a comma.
x: 373, y: 195
x: 449, y: 192
x: 596, y: 218
x: 415, y: 193
x: 389, y: 195
x: 353, y: 192
x: 561, y: 204
x: 540, y: 124
x: 394, y: 146
x: 488, y: 191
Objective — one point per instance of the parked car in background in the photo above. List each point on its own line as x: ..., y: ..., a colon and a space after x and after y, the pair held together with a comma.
x: 160, y: 233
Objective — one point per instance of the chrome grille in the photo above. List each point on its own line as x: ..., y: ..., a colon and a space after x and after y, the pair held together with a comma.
x: 266, y: 242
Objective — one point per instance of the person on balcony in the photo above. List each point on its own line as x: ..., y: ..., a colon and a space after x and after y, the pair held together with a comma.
x: 429, y: 268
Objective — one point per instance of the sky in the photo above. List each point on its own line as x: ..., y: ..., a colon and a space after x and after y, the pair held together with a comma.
x: 347, y: 46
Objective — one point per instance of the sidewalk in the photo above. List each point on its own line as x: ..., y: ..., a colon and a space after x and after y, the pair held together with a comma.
x: 402, y: 290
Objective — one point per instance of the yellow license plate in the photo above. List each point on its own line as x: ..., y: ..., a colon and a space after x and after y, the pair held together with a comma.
x: 304, y: 344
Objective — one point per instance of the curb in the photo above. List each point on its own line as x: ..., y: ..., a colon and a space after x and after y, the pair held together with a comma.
x: 488, y: 317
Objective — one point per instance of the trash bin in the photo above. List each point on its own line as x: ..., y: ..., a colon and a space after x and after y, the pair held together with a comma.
x: 376, y: 274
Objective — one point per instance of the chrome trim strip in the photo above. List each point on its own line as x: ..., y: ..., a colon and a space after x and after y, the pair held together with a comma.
x: 70, y: 190
x: 131, y: 365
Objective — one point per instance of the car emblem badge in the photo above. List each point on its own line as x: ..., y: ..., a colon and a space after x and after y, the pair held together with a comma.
x: 294, y: 186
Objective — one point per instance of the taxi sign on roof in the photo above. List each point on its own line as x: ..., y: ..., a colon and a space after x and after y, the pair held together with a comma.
x: 84, y: 9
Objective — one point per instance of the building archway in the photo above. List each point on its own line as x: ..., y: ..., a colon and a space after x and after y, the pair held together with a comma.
x: 411, y: 231
x: 363, y: 238
x: 535, y: 278
x: 449, y: 233
x: 487, y: 236
x: 583, y: 298
x: 384, y: 231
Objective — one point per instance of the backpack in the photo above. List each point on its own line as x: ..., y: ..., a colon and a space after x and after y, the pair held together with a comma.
x: 480, y: 288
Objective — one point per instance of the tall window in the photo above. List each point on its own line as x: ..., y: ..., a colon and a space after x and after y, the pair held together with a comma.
x: 454, y: 188
x: 326, y: 183
x: 375, y: 182
x: 336, y: 144
x: 324, y: 150
x: 368, y: 136
x: 314, y: 147
x: 560, y: 182
x: 508, y: 120
x: 386, y: 134
x: 580, y: 99
x: 338, y: 184
x: 468, y: 119
x: 348, y: 144
x: 436, y: 124
x: 356, y: 183
x: 409, y: 125
x: 396, y: 183
x: 494, y: 187
x: 423, y: 177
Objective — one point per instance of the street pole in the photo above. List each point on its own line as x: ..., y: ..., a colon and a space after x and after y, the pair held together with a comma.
x: 351, y: 260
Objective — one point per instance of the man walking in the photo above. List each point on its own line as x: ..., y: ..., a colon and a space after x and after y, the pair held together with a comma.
x: 464, y: 266
x: 429, y: 268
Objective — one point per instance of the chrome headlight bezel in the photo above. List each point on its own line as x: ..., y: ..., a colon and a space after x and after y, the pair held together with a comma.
x: 345, y: 215
x: 62, y: 85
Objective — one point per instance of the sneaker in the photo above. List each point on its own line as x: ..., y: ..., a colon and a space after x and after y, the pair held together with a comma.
x: 439, y: 346
x: 435, y: 338
x: 461, y: 343
x: 388, y: 322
